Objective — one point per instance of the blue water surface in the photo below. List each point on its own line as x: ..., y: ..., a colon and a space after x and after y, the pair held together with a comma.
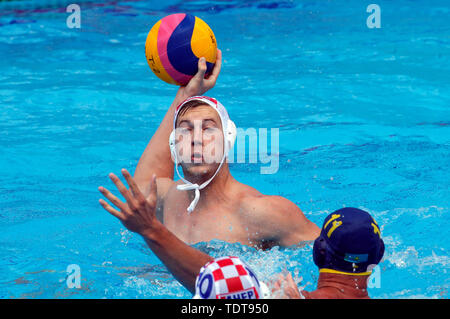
x: 363, y: 117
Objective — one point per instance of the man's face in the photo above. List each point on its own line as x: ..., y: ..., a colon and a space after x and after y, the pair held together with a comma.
x: 199, y: 140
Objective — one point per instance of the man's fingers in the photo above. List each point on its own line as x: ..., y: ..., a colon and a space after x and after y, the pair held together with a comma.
x: 123, y: 190
x: 291, y: 293
x: 133, y: 186
x: 116, y: 201
x: 217, y: 67
x: 291, y: 289
x: 201, y: 69
x: 290, y: 280
x: 111, y: 210
x: 276, y: 285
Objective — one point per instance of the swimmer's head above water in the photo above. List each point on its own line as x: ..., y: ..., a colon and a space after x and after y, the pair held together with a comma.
x: 202, y: 136
x: 348, y: 248
x: 349, y: 243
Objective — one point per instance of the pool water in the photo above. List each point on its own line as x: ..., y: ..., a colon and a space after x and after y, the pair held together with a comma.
x: 363, y: 117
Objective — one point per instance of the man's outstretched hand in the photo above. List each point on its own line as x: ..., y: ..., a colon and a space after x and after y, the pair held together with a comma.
x: 198, y: 85
x: 138, y: 213
x: 285, y: 287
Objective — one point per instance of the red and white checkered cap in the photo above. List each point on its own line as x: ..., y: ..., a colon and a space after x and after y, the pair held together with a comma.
x: 227, y: 278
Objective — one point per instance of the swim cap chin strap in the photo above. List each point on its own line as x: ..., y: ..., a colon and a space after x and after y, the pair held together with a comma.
x: 190, y: 186
x: 229, y: 134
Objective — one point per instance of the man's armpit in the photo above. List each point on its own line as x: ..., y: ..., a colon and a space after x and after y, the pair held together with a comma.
x: 163, y: 185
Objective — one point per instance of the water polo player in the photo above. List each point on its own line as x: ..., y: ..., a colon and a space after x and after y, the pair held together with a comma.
x: 348, y: 248
x: 208, y: 203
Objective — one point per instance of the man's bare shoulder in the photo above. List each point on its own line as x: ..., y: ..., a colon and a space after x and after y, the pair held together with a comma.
x: 277, y: 218
x: 263, y: 206
x: 260, y: 209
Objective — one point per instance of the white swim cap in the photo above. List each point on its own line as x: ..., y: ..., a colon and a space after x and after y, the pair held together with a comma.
x: 228, y: 278
x: 229, y: 134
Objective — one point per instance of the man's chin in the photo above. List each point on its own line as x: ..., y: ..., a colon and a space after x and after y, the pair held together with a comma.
x: 199, y: 169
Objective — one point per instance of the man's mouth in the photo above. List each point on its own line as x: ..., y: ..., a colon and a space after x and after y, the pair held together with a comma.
x: 197, y: 158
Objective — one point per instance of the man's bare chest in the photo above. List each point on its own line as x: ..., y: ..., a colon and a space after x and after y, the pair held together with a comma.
x: 206, y: 225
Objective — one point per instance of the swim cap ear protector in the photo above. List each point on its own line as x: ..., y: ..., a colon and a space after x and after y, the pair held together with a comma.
x: 229, y: 135
x: 319, y: 252
x: 349, y: 242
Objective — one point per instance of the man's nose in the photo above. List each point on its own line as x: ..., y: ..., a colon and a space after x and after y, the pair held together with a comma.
x: 197, y: 138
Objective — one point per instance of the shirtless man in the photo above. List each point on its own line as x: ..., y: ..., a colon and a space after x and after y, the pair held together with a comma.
x: 227, y: 209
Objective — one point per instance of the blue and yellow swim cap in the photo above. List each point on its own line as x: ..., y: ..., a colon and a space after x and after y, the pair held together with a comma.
x: 349, y: 243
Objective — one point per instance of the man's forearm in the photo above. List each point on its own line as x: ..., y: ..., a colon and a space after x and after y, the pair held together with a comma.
x: 156, y: 158
x: 182, y: 260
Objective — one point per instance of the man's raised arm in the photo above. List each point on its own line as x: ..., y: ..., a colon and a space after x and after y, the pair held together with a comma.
x: 156, y: 157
